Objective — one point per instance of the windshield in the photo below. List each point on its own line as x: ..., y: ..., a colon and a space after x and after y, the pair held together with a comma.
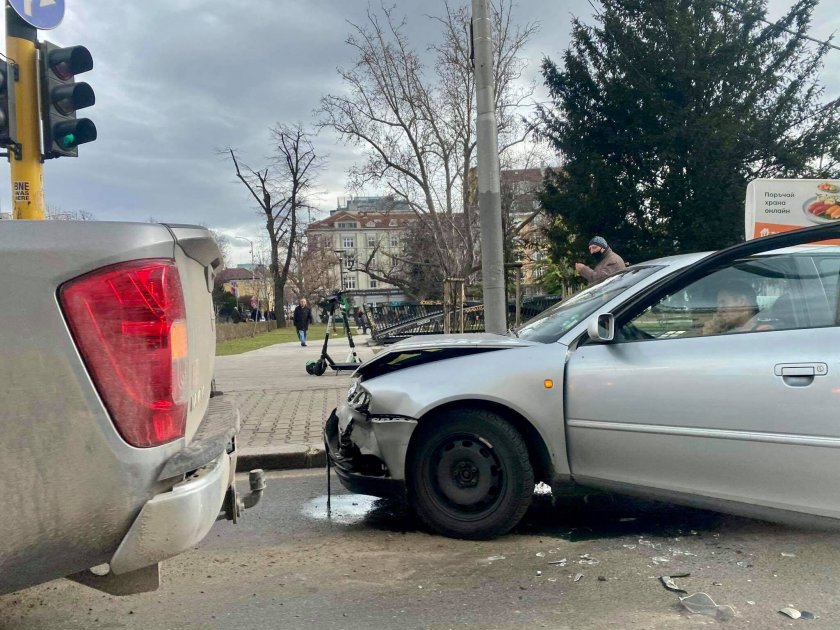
x: 553, y: 323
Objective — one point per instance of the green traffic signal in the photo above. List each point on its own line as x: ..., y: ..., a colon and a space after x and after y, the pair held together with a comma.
x: 62, y: 96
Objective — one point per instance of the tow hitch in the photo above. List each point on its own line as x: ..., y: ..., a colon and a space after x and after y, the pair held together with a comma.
x: 234, y: 504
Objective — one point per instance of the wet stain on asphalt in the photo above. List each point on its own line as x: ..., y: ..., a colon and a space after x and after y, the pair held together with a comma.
x: 597, y: 517
x: 362, y: 510
x: 594, y: 517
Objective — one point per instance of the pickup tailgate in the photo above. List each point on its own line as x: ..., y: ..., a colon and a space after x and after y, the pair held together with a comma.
x: 198, y: 256
x: 73, y: 486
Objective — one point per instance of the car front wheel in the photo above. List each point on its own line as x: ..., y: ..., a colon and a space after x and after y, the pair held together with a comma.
x: 469, y: 475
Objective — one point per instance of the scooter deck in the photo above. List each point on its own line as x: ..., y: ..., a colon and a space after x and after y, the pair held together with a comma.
x: 341, y: 367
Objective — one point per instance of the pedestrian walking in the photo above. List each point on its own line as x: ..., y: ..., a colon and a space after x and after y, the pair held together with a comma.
x: 302, y: 317
x: 608, y: 262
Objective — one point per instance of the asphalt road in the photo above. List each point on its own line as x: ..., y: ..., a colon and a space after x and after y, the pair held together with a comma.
x: 369, y: 566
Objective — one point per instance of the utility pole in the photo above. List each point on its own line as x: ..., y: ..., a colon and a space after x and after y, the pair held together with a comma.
x: 255, y: 293
x: 489, y: 187
x: 26, y: 166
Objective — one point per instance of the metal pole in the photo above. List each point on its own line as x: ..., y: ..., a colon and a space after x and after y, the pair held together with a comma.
x: 26, y: 170
x: 518, y: 296
x: 254, y: 292
x: 255, y: 289
x: 340, y: 254
x: 461, y: 318
x: 489, y: 188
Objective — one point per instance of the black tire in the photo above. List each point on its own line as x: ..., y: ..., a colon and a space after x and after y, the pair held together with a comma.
x: 469, y: 475
x: 320, y: 367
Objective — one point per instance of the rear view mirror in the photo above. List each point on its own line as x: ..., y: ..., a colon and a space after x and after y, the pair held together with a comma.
x: 602, y: 327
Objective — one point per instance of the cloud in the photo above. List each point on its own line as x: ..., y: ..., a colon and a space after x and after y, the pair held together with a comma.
x: 176, y: 81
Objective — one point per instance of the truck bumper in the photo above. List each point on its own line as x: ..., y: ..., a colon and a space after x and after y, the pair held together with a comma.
x: 174, y: 521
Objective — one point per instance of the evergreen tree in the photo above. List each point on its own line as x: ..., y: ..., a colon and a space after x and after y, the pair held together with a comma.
x: 666, y: 109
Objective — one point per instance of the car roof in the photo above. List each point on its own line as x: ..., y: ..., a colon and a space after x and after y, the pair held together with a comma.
x: 682, y: 260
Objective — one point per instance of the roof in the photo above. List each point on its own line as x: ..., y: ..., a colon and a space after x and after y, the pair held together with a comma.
x: 236, y: 273
x: 512, y: 175
x: 376, y: 220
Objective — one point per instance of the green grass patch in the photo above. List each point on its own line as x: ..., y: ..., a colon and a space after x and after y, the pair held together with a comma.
x: 261, y: 340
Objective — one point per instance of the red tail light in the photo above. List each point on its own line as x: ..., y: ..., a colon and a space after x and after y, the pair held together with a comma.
x: 129, y: 324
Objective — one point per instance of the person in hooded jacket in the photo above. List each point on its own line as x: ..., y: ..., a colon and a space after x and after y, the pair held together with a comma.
x: 608, y: 262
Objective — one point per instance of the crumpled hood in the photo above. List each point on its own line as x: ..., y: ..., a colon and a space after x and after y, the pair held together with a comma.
x: 424, y: 349
x: 482, y: 340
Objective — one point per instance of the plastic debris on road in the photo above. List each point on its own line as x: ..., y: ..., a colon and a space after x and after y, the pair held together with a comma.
x: 588, y: 560
x: 787, y: 555
x: 791, y: 612
x: 491, y: 559
x: 668, y: 582
x: 578, y: 577
x: 702, y: 604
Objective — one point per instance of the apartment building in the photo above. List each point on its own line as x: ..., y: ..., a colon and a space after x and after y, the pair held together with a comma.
x: 358, y: 231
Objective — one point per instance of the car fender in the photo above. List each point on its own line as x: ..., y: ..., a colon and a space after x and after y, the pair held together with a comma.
x: 527, y: 380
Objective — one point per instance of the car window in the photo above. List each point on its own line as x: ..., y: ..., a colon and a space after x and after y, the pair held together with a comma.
x: 553, y: 323
x: 758, y: 294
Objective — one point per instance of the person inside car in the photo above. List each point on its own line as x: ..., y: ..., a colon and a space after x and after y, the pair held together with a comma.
x: 737, y: 308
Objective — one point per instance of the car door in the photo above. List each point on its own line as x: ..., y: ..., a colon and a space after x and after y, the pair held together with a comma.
x: 695, y: 403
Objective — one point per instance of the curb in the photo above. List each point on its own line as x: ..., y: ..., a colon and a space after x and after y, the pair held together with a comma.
x: 286, y: 457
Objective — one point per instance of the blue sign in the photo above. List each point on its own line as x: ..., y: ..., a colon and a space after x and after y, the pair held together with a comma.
x: 42, y: 14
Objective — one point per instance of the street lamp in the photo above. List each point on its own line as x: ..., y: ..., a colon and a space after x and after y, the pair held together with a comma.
x: 340, y: 254
x: 253, y: 277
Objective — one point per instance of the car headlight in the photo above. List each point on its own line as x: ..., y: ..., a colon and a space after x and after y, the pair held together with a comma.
x: 358, y: 397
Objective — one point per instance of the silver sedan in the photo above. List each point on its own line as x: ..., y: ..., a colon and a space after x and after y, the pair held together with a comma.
x: 706, y: 379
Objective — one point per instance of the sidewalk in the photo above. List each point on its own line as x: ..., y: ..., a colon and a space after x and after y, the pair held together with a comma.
x: 283, y: 408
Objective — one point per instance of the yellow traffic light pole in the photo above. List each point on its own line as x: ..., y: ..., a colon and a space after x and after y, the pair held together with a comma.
x: 27, y: 170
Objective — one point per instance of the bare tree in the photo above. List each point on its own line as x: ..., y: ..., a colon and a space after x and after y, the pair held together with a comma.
x: 416, y: 125
x: 224, y: 245
x: 313, y: 275
x: 282, y: 191
x: 55, y: 213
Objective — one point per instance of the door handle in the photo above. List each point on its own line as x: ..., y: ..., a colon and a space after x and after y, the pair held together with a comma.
x: 800, y: 374
x: 800, y: 369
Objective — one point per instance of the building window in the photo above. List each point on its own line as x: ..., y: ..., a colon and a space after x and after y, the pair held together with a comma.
x: 346, y: 226
x: 395, y: 240
x: 374, y: 283
x: 349, y: 282
x: 371, y: 241
x: 392, y: 223
x: 348, y: 242
x: 370, y: 224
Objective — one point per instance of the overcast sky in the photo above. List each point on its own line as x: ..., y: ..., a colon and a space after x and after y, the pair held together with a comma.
x: 175, y: 80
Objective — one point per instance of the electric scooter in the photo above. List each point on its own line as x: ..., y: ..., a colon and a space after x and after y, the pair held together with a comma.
x: 317, y: 368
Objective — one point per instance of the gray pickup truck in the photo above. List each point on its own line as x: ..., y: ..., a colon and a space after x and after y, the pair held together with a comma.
x: 117, y: 453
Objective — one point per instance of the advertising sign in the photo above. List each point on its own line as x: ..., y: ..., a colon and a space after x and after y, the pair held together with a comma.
x: 781, y: 205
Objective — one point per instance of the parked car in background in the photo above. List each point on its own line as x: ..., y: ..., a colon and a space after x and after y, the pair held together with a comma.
x: 704, y: 379
x: 116, y: 453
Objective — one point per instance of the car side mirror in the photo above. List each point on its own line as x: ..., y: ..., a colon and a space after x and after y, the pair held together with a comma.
x: 602, y: 327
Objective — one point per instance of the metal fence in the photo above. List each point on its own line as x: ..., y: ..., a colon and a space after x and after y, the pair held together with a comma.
x: 389, y: 323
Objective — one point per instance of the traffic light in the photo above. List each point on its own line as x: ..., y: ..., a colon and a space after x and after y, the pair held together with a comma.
x: 61, y: 96
x: 8, y: 129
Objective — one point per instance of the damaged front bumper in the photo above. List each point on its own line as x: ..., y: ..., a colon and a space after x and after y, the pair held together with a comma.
x: 367, y: 451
